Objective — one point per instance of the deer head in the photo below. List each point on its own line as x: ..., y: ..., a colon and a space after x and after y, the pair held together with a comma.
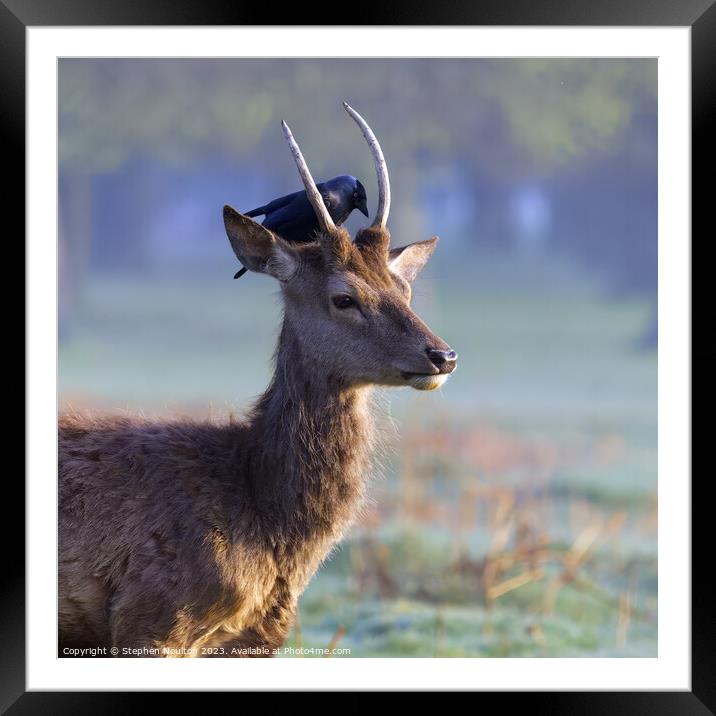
x: 347, y: 303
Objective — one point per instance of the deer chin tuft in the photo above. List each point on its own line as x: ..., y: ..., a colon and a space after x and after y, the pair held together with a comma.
x: 425, y: 382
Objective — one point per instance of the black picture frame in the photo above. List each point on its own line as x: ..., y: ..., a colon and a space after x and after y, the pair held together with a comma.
x: 700, y: 15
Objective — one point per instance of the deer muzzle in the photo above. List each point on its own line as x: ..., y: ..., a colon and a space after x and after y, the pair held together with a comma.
x: 444, y: 362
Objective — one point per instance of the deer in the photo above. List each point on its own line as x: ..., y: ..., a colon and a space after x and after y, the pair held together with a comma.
x: 188, y: 538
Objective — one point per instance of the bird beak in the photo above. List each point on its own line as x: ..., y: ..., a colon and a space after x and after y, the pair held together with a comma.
x: 362, y: 206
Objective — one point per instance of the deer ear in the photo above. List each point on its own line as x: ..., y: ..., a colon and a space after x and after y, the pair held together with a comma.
x: 257, y: 248
x: 408, y: 261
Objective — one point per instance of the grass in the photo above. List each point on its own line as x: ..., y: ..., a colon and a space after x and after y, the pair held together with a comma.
x: 516, y: 513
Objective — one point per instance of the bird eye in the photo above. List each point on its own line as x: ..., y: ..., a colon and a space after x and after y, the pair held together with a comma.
x: 343, y: 301
x: 355, y: 194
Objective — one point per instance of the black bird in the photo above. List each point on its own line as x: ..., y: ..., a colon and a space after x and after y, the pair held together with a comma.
x: 292, y: 217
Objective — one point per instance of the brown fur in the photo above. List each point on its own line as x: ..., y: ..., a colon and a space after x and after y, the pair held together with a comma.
x: 194, y: 536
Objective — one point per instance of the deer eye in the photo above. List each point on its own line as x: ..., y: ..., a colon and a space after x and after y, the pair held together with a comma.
x: 344, y: 301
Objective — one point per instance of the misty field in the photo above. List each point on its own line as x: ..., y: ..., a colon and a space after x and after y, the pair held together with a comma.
x: 515, y: 513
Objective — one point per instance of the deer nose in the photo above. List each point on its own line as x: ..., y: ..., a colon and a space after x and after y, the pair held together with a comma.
x: 445, y: 360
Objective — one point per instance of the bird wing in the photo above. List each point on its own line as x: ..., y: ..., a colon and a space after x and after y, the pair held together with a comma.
x: 274, y: 205
x: 295, y: 229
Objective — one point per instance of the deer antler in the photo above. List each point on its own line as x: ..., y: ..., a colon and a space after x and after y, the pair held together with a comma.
x: 381, y: 169
x: 314, y: 196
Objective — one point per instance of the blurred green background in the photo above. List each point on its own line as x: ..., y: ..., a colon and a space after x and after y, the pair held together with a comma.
x: 516, y: 510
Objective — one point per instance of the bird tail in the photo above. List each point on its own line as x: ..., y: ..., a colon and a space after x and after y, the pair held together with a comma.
x: 255, y: 212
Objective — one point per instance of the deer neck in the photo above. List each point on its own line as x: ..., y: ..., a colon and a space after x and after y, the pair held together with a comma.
x: 314, y: 441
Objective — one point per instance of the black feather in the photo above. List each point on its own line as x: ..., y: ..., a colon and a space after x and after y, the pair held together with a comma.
x: 292, y: 217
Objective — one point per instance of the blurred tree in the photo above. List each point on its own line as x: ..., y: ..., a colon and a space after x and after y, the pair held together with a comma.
x: 510, y: 116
